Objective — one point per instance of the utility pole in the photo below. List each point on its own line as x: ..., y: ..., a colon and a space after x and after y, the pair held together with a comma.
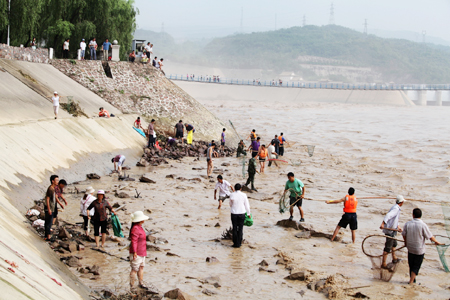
x: 424, y: 33
x: 331, y: 22
x: 275, y: 21
x: 365, y: 27
x: 242, y: 19
x: 9, y: 20
x: 162, y: 27
x: 304, y: 20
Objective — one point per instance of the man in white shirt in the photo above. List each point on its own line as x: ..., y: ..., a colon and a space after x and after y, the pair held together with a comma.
x: 83, y: 49
x: 224, y: 190
x: 414, y: 233
x: 390, y: 228
x: 272, y: 153
x: 55, y: 100
x: 239, y: 206
x: 93, y: 48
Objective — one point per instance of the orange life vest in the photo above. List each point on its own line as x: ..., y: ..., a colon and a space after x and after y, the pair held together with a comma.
x: 253, y: 135
x: 350, y: 204
x: 280, y: 138
x: 263, y: 153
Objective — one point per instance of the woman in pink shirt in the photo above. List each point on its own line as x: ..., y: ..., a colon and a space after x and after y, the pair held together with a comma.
x: 138, y: 248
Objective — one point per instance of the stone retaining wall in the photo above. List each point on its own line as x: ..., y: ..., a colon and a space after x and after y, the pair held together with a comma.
x: 40, y: 55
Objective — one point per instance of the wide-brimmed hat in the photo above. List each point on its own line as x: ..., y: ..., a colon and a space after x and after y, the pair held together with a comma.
x: 138, y: 216
x: 400, y: 199
x: 100, y: 192
x: 55, y: 92
x: 89, y: 190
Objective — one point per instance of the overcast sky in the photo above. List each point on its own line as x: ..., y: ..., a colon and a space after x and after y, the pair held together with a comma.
x: 211, y: 18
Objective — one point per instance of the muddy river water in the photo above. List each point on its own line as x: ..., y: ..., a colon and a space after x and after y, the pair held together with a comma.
x: 378, y: 150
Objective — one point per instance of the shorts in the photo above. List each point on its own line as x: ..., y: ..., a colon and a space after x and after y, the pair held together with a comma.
x: 254, y: 153
x: 85, y: 222
x: 137, y: 263
x: 97, y: 225
x: 262, y: 159
x: 298, y: 203
x: 222, y: 198
x: 390, y: 243
x: 349, y: 218
x: 121, y: 161
x: 55, y: 109
x: 222, y: 143
x: 415, y: 262
x: 208, y: 160
x: 179, y: 134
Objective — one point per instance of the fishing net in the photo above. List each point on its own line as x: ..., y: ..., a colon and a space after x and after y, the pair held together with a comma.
x: 284, y: 203
x: 373, y: 247
x: 243, y: 166
x: 444, y: 239
x: 296, y: 163
x: 310, y: 149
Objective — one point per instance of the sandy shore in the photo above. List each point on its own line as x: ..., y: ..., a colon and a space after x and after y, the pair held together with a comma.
x: 380, y: 151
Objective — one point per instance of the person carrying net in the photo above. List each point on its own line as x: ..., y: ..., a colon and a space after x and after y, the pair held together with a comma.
x: 297, y: 189
x: 349, y: 216
x: 390, y: 228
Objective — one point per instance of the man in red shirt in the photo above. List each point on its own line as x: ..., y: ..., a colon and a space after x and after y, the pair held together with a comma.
x: 103, y: 113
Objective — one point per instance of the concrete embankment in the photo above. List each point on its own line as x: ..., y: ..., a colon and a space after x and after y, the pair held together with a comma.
x: 208, y: 91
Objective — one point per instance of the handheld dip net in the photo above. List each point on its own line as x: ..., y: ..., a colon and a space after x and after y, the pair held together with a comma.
x: 441, y: 249
x: 284, y: 203
x: 373, y: 247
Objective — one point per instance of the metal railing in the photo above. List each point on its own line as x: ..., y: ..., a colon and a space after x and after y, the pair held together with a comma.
x: 311, y: 85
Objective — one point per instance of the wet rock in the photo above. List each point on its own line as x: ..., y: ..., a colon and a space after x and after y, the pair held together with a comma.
x: 170, y: 176
x: 151, y: 238
x: 359, y: 295
x: 208, y: 292
x: 160, y: 240
x: 83, y: 271
x: 122, y: 195
x: 152, y: 247
x: 319, y: 285
x: 80, y: 247
x: 217, y: 285
x: 302, y: 292
x: 33, y: 218
x: 142, y: 163
x: 93, y: 176
x: 94, y: 270
x: 302, y: 276
x: 107, y: 294
x: 264, y: 263
x: 262, y: 269
x: 116, y: 205
x: 177, y: 294
x: 217, y: 225
x: 288, y: 224
x: 63, y: 233
x: 181, y: 178
x: 195, y: 179
x: 303, y: 235
x: 212, y: 259
x: 225, y: 164
x: 146, y: 178
x: 172, y: 254
x: 73, y: 262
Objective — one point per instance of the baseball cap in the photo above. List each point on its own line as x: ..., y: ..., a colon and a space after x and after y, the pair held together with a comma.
x: 400, y: 199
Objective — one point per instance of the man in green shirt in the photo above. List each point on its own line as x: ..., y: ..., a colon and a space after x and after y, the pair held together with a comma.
x: 297, y: 194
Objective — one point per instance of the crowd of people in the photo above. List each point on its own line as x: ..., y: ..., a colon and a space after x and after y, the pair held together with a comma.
x: 206, y: 78
x: 146, y: 57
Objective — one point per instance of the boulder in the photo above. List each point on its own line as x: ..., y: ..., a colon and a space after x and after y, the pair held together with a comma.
x: 94, y: 270
x: 303, y: 235
x: 152, y: 247
x: 212, y: 259
x: 264, y: 263
x: 73, y: 262
x: 146, y: 178
x: 93, y: 176
x: 177, y: 294
x: 302, y: 276
x: 172, y: 176
x: 63, y: 233
x: 122, y: 195
x: 151, y: 238
x: 208, y: 292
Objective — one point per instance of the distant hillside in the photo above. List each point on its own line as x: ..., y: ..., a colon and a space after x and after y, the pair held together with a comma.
x: 395, y: 60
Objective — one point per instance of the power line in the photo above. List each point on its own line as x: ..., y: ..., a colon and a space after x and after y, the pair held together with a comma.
x: 331, y: 22
x: 275, y: 21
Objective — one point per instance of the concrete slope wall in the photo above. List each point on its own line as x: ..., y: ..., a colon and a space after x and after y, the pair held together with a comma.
x: 45, y: 79
x: 254, y: 93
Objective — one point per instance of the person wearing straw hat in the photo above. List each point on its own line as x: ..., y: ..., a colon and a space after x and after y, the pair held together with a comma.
x: 55, y: 100
x: 87, y: 199
x: 100, y: 219
x: 390, y: 228
x: 138, y: 248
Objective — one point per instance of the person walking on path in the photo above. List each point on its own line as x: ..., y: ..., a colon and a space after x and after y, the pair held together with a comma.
x: 87, y: 199
x: 100, y: 219
x: 83, y: 49
x: 251, y: 170
x: 138, y: 249
x: 240, y: 149
x: 281, y: 147
x: 277, y: 144
x: 118, y: 161
x: 296, y: 196
x: 252, y: 135
x: 105, y: 47
x: 55, y: 100
x: 272, y: 153
x: 66, y: 49
x: 239, y: 206
x: 349, y: 216
x: 222, y: 141
x: 190, y: 133
x: 93, y: 49
x: 414, y: 234
x: 179, y: 130
x: 59, y: 190
x: 49, y: 206
x: 151, y: 134
x: 390, y: 228
x: 254, y: 146
x: 224, y: 190
x: 209, y: 159
x: 262, y: 154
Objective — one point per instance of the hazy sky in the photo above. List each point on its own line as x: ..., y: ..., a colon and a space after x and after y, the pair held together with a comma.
x: 211, y: 18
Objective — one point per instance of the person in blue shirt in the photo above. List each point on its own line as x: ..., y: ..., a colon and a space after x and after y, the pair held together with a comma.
x: 105, y: 47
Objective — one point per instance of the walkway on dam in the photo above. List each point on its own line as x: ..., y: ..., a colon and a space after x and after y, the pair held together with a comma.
x: 311, y: 85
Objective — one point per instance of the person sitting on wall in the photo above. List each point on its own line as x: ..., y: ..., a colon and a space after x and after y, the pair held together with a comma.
x: 103, y: 113
x: 132, y: 57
